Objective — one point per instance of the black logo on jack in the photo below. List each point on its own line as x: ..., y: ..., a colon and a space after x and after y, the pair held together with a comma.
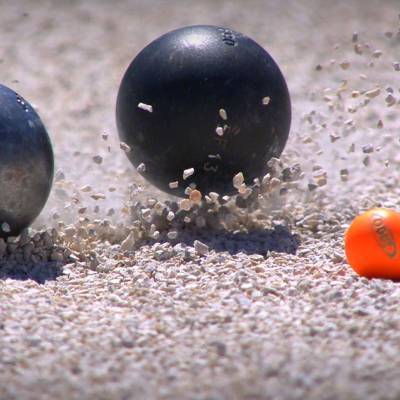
x: 384, y: 236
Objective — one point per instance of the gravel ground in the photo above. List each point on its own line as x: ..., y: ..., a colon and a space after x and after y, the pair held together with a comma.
x: 119, y: 292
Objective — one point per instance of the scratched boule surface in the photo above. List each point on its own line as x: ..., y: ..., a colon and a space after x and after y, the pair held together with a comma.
x: 119, y: 292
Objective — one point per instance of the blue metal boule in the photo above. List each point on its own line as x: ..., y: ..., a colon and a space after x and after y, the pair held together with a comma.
x: 205, y: 98
x: 26, y: 163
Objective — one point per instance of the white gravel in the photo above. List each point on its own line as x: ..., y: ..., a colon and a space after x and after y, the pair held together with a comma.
x: 121, y: 292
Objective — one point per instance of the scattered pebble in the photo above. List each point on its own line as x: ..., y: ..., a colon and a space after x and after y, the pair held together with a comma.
x: 170, y: 216
x: 344, y: 174
x: 187, y: 173
x: 368, y: 148
x: 220, y: 131
x: 373, y: 93
x: 266, y: 100
x: 5, y: 227
x: 238, y: 180
x: 98, y: 159
x: 185, y: 205
x: 390, y: 100
x: 124, y: 147
x: 195, y: 196
x: 141, y: 168
x: 223, y: 114
x: 98, y: 196
x: 377, y: 53
x: 86, y: 188
x: 172, y: 235
x: 344, y: 65
x: 145, y: 107
x: 201, y: 248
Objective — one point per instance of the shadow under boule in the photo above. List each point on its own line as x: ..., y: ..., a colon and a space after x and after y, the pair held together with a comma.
x: 39, y: 266
x: 279, y: 239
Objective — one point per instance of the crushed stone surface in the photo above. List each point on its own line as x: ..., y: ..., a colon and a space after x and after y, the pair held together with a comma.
x: 119, y: 291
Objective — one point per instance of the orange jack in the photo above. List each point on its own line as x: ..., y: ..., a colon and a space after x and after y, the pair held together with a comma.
x: 372, y: 244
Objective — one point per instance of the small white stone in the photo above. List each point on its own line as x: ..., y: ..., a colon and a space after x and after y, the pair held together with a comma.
x: 373, y: 93
x: 188, y: 172
x: 266, y: 100
x: 238, y: 180
x: 141, y: 167
x: 223, y: 114
x: 170, y: 216
x: 98, y: 196
x: 185, y: 204
x: 5, y: 227
x: 377, y: 53
x: 145, y: 107
x: 220, y: 131
x: 201, y: 248
x: 265, y: 180
x: 172, y: 235
x: 214, y: 196
x: 124, y: 147
x: 146, y: 214
x: 173, y: 185
x: 86, y: 188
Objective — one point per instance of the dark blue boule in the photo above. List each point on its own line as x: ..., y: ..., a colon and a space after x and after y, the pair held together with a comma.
x: 207, y: 98
x: 26, y: 163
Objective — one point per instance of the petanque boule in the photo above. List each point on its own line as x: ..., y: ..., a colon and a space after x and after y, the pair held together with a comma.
x: 199, y: 105
x: 26, y: 163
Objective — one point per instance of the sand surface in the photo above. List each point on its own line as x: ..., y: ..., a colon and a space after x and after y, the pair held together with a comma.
x: 260, y: 302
